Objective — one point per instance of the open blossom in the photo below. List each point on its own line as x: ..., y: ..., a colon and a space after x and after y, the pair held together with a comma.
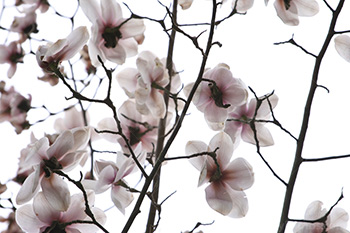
x: 138, y: 129
x: 42, y: 217
x: 218, y: 94
x: 289, y: 14
x: 11, y: 54
x: 145, y: 84
x: 113, y: 38
x: 228, y: 180
x: 25, y: 25
x: 237, y: 125
x: 14, y: 108
x: 336, y: 222
x: 342, y: 45
x: 111, y: 175
x: 43, y: 158
x: 64, y: 49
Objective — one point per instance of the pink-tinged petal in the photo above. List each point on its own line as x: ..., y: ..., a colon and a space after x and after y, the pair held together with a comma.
x: 116, y: 54
x: 264, y: 110
x: 29, y: 188
x: 127, y: 79
x: 338, y: 218
x: 75, y: 42
x: 156, y: 104
x: 308, y: 227
x: 94, y: 52
x: 91, y: 9
x: 76, y: 210
x: 72, y: 229
x: 125, y: 164
x: 37, y: 152
x: 239, y: 204
x: 4, y: 54
x: 233, y: 129
x: 203, y: 176
x: 71, y: 160
x: 238, y: 175
x: 105, y: 179
x: 12, y: 70
x: 111, y: 11
x: 142, y: 92
x: 215, y: 114
x: 129, y: 45
x: 315, y: 211
x: 225, y: 145
x: 81, y: 137
x: 27, y: 220
x: 307, y: 7
x: 342, y: 45
x: 100, y: 217
x: 56, y: 192
x: 121, y: 197
x: 185, y: 4
x: 218, y: 198
x: 63, y: 144
x: 194, y: 147
x: 263, y: 135
x: 43, y: 210
x: 127, y: 113
x: 287, y: 16
x: 243, y: 5
x: 52, y: 49
x: 108, y: 124
x: 145, y: 64
x: 132, y: 28
x: 235, y: 95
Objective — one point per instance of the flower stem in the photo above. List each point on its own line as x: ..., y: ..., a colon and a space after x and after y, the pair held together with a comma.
x: 300, y: 144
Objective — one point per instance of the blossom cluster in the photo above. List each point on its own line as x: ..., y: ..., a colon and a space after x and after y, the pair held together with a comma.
x: 153, y: 89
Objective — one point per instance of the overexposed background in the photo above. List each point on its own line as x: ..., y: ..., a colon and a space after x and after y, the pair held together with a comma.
x: 248, y: 49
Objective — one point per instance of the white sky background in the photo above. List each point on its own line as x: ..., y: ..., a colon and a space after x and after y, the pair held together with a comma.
x: 248, y: 49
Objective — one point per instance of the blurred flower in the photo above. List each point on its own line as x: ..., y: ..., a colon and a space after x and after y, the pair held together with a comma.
x: 14, y: 108
x: 32, y: 5
x: 336, y: 222
x: 138, y: 129
x: 237, y: 125
x: 12, y: 226
x: 64, y: 49
x: 90, y: 69
x: 11, y: 54
x: 185, y: 4
x: 42, y: 159
x: 25, y: 25
x: 217, y: 95
x: 42, y: 217
x: 342, y: 45
x: 242, y: 5
x: 227, y: 179
x: 113, y: 38
x: 290, y: 10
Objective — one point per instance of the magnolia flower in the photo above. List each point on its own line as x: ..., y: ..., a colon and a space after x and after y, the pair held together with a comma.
x: 145, y: 84
x: 218, y: 94
x: 63, y: 49
x: 11, y: 54
x: 14, y: 108
x: 336, y: 222
x: 42, y: 159
x: 32, y: 5
x: 111, y: 175
x: 242, y: 5
x: 25, y: 25
x: 113, y: 37
x: 138, y: 129
x: 42, y: 217
x: 342, y: 45
x: 227, y: 179
x: 238, y: 126
x: 289, y: 13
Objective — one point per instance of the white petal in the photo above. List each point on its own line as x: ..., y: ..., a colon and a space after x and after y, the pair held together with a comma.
x: 56, y: 192
x: 342, y: 45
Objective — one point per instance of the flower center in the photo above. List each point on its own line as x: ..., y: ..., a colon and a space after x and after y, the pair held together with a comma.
x: 111, y: 36
x: 51, y: 164
x: 55, y: 228
x: 216, y: 95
